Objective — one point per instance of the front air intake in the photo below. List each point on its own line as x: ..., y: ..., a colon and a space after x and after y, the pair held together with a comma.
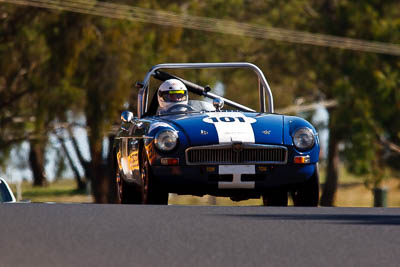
x: 236, y: 154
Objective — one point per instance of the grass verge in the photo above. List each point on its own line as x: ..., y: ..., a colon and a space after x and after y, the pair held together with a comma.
x: 351, y: 193
x: 64, y: 190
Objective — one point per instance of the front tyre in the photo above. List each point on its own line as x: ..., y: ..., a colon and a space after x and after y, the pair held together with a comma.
x: 152, y: 193
x: 127, y: 193
x: 307, y: 194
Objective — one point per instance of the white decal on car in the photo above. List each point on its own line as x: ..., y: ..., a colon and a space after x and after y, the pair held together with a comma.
x: 236, y: 171
x: 232, y: 127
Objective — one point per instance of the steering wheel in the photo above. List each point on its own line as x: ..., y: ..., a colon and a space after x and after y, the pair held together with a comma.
x: 177, y: 107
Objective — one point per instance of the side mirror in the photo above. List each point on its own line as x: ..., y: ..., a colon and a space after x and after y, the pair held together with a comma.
x: 218, y: 103
x: 126, y: 116
x: 128, y: 119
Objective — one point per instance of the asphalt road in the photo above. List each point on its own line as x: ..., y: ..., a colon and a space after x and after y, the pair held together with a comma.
x: 124, y: 235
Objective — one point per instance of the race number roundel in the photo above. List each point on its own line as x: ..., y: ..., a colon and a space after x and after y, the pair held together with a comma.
x: 228, y: 118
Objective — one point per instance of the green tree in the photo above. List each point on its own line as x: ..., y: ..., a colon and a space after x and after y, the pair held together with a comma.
x: 55, y: 64
x: 355, y: 80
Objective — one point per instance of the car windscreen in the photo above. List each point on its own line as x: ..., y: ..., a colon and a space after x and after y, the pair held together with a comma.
x: 4, y: 193
x: 199, y: 105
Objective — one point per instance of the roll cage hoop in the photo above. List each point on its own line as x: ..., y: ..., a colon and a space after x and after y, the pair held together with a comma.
x: 264, y: 88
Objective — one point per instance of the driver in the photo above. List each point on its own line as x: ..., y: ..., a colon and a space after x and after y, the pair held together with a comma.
x: 171, y: 93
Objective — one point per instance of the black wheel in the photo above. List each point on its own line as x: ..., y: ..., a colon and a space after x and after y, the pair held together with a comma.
x: 152, y: 193
x: 307, y: 194
x: 277, y: 198
x: 127, y: 193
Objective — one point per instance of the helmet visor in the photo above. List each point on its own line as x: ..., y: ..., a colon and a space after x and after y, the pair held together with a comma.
x: 173, y: 95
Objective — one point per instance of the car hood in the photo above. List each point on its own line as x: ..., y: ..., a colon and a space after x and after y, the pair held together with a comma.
x: 227, y: 127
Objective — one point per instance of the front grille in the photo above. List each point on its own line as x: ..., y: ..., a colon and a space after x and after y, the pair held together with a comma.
x: 231, y: 154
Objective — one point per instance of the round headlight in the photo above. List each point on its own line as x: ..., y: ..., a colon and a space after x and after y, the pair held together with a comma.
x: 166, y: 140
x: 303, y: 139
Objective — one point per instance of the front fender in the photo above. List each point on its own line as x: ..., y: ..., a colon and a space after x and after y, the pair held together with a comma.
x: 291, y: 124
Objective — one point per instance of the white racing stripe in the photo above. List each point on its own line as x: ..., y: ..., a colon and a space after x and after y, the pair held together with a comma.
x: 233, y: 127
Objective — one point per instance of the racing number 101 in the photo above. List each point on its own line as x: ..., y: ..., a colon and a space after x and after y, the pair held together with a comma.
x: 227, y: 119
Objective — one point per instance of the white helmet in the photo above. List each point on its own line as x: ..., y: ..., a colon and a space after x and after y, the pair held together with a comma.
x: 172, y: 92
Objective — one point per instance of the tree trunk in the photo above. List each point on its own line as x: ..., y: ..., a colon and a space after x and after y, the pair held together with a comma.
x: 80, y: 183
x: 84, y: 163
x: 332, y: 172
x: 112, y: 192
x: 98, y: 176
x: 101, y: 172
x: 99, y: 183
x: 37, y: 161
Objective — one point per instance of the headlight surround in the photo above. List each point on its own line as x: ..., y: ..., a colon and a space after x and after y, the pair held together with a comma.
x: 166, y: 140
x: 303, y: 139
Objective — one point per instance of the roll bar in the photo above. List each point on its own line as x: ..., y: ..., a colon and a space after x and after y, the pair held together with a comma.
x: 263, y: 84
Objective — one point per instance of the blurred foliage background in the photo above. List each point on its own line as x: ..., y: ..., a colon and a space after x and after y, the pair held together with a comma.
x: 61, y: 71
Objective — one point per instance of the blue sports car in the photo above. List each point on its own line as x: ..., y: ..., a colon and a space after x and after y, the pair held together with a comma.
x: 212, y: 145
